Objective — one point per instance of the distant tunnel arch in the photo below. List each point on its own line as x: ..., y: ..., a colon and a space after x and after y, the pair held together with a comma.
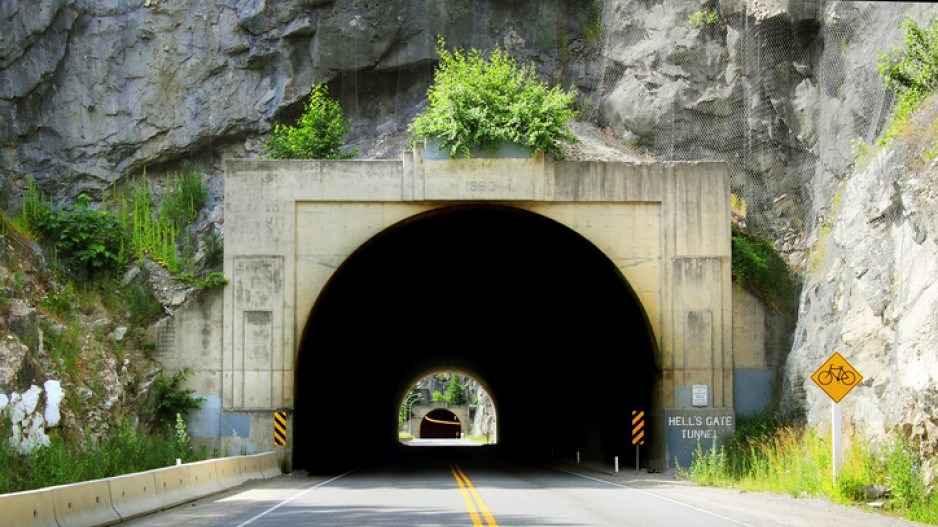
x: 519, y: 300
x: 440, y: 423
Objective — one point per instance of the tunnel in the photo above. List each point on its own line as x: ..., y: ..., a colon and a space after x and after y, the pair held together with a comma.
x: 519, y: 301
x: 440, y: 424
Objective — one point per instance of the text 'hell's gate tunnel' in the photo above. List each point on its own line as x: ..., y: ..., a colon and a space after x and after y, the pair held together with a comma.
x: 521, y: 302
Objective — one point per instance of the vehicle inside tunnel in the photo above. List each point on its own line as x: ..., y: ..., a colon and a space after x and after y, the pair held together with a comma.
x: 512, y: 298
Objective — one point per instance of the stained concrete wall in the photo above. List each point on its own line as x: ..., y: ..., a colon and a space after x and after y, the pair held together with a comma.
x: 290, y: 224
x: 754, y: 378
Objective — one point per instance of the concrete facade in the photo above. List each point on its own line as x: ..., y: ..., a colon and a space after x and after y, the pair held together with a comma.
x: 290, y: 224
x: 420, y: 410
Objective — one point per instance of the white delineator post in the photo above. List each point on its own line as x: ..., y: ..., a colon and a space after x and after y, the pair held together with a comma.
x: 836, y: 440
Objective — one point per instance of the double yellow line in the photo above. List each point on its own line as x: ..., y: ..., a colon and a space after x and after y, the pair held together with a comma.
x: 471, y: 496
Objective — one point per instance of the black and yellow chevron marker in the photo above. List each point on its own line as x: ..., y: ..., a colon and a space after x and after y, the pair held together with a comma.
x: 638, y: 427
x: 280, y: 428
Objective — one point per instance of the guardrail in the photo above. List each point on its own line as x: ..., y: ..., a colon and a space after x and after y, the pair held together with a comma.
x: 112, y: 500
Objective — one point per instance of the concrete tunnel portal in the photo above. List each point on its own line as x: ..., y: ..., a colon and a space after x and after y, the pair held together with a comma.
x: 519, y: 301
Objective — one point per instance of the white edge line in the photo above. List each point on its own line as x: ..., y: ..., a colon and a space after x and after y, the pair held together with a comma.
x: 293, y: 497
x: 652, y: 494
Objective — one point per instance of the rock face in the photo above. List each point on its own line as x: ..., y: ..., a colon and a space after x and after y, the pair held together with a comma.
x: 872, y: 294
x: 92, y: 92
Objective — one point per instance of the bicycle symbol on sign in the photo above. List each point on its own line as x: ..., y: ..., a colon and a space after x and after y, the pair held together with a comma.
x: 837, y: 373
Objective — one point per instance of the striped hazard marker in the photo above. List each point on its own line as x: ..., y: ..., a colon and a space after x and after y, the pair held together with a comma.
x: 638, y: 427
x: 280, y: 428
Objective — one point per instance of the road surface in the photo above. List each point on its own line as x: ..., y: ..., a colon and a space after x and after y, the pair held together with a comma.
x: 465, y: 486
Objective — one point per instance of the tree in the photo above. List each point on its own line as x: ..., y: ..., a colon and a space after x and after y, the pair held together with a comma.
x: 319, y: 134
x: 455, y: 391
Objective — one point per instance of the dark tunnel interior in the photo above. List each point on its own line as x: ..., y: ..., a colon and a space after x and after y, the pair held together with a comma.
x: 522, y: 303
x: 440, y: 424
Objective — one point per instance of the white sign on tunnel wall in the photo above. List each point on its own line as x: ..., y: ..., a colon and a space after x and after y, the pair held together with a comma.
x: 686, y: 428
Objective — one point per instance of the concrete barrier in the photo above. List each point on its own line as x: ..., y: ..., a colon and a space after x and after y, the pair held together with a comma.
x: 270, y: 467
x: 84, y: 504
x: 32, y: 508
x: 203, y: 479
x: 251, y: 467
x: 111, y: 500
x: 134, y: 494
x: 171, y: 485
x: 228, y: 471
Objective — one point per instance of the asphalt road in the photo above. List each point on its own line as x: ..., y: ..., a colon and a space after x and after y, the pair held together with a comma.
x: 475, y: 486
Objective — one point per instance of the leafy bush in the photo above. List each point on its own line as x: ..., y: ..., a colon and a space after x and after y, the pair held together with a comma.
x: 172, y: 398
x: 318, y: 134
x: 911, y: 71
x: 478, y: 103
x: 88, y: 242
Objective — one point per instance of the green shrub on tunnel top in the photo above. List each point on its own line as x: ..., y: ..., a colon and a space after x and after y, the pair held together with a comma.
x: 479, y: 102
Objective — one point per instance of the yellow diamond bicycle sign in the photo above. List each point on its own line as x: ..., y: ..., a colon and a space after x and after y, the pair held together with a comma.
x: 837, y: 377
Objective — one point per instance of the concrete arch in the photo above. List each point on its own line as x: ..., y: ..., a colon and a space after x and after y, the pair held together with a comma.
x: 291, y: 227
x: 436, y: 421
x: 498, y: 291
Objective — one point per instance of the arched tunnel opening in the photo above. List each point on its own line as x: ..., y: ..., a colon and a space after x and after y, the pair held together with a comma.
x: 517, y: 300
x: 440, y: 424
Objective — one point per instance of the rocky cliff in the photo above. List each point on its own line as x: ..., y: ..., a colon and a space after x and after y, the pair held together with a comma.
x: 93, y: 92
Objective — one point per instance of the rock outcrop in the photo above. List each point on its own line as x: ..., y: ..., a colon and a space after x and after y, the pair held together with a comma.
x: 871, y: 293
x: 93, y: 92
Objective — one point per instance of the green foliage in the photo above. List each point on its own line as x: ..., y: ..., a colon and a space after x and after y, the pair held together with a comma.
x: 318, y: 134
x: 172, y: 398
x: 214, y: 250
x: 455, y: 391
x: 702, y: 18
x: 759, y: 268
x: 478, y: 103
x: 180, y: 205
x: 769, y: 454
x: 126, y: 449
x: 403, y: 413
x: 142, y: 304
x: 59, y: 301
x: 88, y: 243
x: 911, y: 70
x: 594, y: 24
x: 210, y: 280
x: 36, y: 208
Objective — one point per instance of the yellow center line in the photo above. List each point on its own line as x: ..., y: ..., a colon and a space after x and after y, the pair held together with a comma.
x: 465, y: 496
x: 464, y: 483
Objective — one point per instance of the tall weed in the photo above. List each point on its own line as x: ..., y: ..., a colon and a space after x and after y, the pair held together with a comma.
x: 767, y: 454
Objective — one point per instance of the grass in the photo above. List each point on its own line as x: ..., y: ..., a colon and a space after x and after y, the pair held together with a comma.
x: 767, y: 454
x: 125, y: 450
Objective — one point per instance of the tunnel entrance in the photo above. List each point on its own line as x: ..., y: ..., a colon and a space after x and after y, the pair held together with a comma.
x: 440, y: 424
x: 500, y: 293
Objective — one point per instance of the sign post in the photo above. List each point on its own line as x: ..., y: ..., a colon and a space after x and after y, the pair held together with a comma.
x: 836, y: 377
